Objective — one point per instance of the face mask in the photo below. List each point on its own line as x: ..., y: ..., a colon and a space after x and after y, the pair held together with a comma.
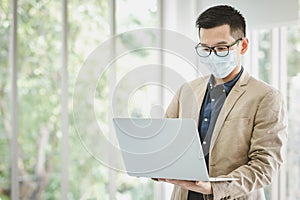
x: 220, y: 67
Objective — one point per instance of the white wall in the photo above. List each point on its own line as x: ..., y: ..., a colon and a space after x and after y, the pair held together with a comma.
x: 260, y: 13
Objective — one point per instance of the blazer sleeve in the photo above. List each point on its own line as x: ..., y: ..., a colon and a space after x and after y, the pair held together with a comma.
x: 174, y: 107
x: 267, y: 143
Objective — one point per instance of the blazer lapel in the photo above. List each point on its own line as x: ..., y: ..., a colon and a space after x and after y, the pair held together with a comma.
x: 230, y: 101
x: 199, y: 93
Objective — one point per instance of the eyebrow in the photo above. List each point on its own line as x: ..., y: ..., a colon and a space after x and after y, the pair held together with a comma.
x: 219, y: 43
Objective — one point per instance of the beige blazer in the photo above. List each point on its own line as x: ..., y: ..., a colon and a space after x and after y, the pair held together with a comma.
x: 248, y: 139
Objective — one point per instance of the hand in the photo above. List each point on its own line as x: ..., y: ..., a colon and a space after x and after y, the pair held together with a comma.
x: 196, y: 186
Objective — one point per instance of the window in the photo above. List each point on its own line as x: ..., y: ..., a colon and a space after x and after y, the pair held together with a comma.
x: 39, y: 55
x: 264, y: 55
x: 293, y: 153
x: 5, y: 116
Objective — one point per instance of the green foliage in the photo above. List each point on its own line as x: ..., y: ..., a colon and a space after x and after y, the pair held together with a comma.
x: 134, y: 189
x: 4, y: 99
x: 39, y: 51
x: 265, y: 55
x: 293, y: 51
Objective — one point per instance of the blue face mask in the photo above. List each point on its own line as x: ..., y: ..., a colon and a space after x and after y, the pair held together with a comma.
x: 220, y: 67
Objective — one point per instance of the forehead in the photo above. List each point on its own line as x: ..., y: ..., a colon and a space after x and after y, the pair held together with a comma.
x: 213, y: 36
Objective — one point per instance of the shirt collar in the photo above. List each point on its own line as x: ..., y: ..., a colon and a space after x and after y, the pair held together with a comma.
x: 228, y: 85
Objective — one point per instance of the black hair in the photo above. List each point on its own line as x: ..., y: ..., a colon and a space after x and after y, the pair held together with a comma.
x: 222, y: 15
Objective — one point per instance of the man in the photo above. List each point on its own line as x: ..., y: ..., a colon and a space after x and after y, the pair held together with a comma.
x: 242, y: 121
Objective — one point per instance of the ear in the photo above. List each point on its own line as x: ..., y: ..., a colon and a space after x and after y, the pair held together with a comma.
x: 245, y: 44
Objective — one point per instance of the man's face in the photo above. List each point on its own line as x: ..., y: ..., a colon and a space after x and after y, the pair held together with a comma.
x: 219, y: 35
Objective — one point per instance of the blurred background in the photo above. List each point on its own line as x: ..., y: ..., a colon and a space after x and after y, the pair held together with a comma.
x: 44, y: 44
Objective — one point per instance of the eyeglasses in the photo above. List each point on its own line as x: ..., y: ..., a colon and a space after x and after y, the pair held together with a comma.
x: 220, y: 50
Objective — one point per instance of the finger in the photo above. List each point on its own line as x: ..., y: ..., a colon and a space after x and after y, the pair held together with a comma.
x: 175, y: 181
x: 162, y: 179
x: 199, y: 183
x: 181, y: 182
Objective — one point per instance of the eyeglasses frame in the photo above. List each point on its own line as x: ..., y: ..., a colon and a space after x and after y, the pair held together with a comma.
x: 213, y: 48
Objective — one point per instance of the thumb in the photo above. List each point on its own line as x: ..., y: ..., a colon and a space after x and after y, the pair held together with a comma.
x: 198, y: 183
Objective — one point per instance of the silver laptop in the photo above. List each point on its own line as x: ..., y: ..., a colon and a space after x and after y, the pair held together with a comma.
x: 162, y: 148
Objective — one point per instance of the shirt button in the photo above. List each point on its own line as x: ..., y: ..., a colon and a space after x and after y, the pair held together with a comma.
x: 205, y: 119
x: 204, y: 142
x: 223, y: 90
x: 212, y: 100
